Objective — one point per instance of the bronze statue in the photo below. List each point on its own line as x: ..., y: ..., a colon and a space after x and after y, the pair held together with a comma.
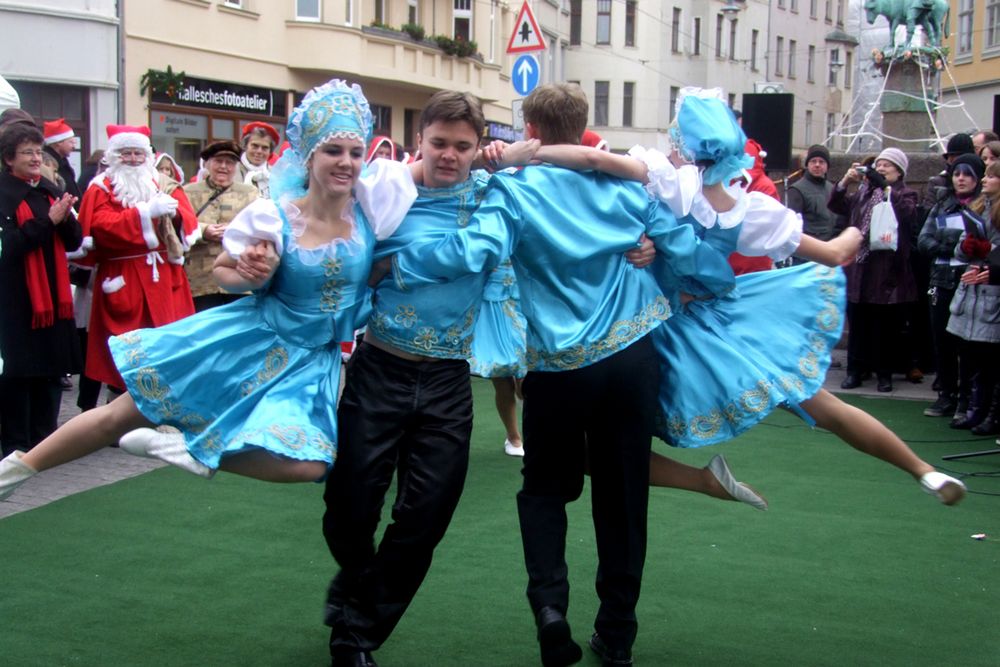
x: 931, y: 15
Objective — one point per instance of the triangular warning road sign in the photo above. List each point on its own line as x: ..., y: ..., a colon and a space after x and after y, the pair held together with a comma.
x: 526, y: 36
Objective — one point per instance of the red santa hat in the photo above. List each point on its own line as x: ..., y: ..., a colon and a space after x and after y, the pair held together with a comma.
x: 57, y: 130
x: 379, y: 141
x: 257, y: 125
x: 594, y: 140
x: 128, y: 136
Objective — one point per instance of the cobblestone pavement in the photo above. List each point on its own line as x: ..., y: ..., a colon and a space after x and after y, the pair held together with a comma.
x: 111, y: 465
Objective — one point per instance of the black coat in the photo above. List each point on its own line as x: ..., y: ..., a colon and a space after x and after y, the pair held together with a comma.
x: 27, y: 352
x: 66, y: 171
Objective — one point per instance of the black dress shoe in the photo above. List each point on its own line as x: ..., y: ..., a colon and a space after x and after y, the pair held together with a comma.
x: 884, y: 383
x: 989, y: 426
x: 555, y: 639
x: 610, y: 657
x: 852, y: 381
x: 353, y: 659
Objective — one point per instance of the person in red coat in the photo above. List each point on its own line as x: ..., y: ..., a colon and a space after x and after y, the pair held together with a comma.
x: 757, y: 180
x: 135, y: 233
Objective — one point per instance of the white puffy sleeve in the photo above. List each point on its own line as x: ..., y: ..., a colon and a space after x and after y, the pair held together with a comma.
x: 385, y: 192
x: 259, y: 221
x: 674, y: 186
x: 768, y: 228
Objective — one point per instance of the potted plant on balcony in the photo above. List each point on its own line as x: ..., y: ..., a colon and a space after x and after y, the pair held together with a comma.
x: 458, y: 47
x: 414, y: 30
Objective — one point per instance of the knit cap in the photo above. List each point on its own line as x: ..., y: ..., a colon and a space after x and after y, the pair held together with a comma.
x: 895, y: 156
x: 818, y: 150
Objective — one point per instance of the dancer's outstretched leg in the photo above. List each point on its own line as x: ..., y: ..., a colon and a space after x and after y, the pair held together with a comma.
x: 85, y: 433
x: 506, y: 402
x: 267, y: 467
x: 714, y: 480
x: 867, y: 434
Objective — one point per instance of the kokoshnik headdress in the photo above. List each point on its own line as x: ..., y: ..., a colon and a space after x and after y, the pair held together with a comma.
x: 334, y: 110
x: 705, y: 131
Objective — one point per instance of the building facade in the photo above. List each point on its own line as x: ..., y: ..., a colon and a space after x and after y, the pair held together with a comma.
x: 970, y: 85
x: 62, y: 58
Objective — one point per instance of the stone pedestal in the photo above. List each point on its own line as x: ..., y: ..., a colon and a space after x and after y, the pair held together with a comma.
x: 908, y: 115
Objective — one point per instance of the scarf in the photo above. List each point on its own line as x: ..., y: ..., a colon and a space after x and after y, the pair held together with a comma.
x: 42, y: 313
x: 257, y: 175
x: 869, y: 197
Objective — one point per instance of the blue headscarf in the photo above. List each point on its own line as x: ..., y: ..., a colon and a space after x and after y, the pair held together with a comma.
x: 334, y: 110
x: 706, y: 130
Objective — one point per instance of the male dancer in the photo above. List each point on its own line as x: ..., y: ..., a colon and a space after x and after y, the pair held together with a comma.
x: 592, y: 389
x: 407, y: 404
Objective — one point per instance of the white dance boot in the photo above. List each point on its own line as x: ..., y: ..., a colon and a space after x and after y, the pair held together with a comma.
x: 738, y: 490
x: 168, y: 447
x: 13, y: 473
x: 945, y: 488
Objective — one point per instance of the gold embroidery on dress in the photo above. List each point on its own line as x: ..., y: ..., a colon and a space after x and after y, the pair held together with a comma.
x: 406, y: 316
x: 275, y: 362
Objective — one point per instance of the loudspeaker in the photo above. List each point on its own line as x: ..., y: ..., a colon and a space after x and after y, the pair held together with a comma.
x: 996, y: 114
x: 767, y: 118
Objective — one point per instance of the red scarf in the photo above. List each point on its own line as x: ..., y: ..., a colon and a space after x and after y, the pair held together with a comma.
x: 42, y: 313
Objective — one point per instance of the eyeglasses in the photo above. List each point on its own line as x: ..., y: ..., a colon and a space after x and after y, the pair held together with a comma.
x: 34, y: 153
x: 132, y: 152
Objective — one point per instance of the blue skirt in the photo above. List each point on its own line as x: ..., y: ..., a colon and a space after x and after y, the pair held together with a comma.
x: 726, y: 364
x: 230, y: 383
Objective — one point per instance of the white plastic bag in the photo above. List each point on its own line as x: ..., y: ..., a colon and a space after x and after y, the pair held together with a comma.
x: 883, y: 233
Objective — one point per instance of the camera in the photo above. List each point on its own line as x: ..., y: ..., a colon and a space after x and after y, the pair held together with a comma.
x: 861, y: 170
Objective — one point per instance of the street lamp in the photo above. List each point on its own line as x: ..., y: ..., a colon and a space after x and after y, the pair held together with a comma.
x: 731, y: 7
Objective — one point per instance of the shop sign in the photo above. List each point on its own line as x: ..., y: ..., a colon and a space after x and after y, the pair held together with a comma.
x: 224, y: 96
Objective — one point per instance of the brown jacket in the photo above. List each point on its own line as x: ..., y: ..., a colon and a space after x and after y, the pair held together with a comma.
x: 220, y: 210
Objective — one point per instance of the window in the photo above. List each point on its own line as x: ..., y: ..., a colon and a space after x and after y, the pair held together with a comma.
x: 732, y: 39
x: 628, y: 103
x: 779, y: 55
x: 829, y: 11
x: 380, y: 11
x: 793, y: 5
x: 308, y: 10
x: 840, y: 12
x: 674, y: 94
x: 792, y: 45
x: 413, y: 12
x: 848, y: 68
x: 603, y: 21
x: 991, y: 31
x: 348, y: 11
x: 696, y: 36
x: 601, y: 90
x: 813, y: 5
x: 834, y: 64
x: 718, y: 35
x: 831, y: 124
x: 462, y: 17
x: 235, y: 4
x: 382, y: 119
x: 811, y: 64
x: 781, y: 4
x: 964, y: 37
x: 754, y: 38
x: 630, y: 23
x: 731, y: 100
x: 809, y: 127
x: 575, y: 22
x: 675, y: 31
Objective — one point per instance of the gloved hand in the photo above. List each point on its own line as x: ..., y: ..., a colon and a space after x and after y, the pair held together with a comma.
x: 876, y: 179
x: 162, y: 204
x: 975, y: 248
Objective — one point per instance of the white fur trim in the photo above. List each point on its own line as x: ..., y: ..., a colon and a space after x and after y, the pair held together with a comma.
x: 112, y: 285
x: 194, y: 236
x: 56, y: 138
x: 148, y: 233
x: 128, y: 140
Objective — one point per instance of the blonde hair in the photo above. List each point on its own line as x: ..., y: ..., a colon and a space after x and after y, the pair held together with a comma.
x: 558, y: 111
x: 979, y: 206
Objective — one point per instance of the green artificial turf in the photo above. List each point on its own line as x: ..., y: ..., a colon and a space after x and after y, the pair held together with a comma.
x: 852, y: 565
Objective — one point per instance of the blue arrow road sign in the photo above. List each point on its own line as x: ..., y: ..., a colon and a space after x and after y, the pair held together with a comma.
x: 524, y: 76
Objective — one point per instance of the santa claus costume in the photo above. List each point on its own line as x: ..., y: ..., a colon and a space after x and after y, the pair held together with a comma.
x: 135, y: 233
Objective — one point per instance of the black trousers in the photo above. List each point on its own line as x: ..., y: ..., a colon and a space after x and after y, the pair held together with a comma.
x: 604, y: 413
x: 413, y: 419
x: 89, y: 389
x: 29, y: 411
x: 873, y: 341
x: 946, y: 345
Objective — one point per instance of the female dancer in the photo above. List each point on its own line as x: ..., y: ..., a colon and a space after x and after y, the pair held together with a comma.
x: 765, y: 345
x: 252, y: 386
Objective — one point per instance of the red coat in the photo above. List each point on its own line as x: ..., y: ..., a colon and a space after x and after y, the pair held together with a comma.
x: 136, y: 286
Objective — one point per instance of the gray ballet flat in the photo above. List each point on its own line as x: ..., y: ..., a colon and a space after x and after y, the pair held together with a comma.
x: 738, y: 490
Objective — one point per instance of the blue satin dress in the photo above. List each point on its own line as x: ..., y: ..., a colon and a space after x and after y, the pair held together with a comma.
x: 262, y: 372
x: 499, y: 338
x: 726, y: 363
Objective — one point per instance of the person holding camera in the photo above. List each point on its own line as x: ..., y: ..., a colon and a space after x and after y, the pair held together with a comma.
x: 880, y: 283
